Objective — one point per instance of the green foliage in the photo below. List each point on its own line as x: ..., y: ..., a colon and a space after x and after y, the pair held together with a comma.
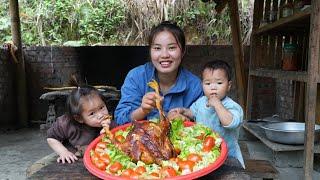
x: 5, y: 33
x: 115, y: 22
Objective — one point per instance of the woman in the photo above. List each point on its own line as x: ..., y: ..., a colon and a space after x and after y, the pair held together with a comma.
x: 178, y: 86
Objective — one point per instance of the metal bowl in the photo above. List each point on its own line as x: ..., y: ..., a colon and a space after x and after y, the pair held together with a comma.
x: 288, y: 132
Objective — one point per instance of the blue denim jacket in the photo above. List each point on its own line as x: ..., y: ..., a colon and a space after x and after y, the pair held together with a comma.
x: 187, y: 89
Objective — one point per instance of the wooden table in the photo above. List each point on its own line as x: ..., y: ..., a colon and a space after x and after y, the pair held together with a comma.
x: 231, y: 169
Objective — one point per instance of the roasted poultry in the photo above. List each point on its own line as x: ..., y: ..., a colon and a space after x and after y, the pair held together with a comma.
x: 149, y: 141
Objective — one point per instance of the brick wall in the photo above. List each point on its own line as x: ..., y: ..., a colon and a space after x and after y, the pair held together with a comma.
x: 48, y: 67
x: 52, y: 66
x: 7, y: 98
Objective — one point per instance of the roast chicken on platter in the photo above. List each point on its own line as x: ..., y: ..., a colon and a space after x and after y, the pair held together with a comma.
x: 149, y: 141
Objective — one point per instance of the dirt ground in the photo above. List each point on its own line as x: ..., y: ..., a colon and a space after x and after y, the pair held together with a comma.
x: 18, y: 150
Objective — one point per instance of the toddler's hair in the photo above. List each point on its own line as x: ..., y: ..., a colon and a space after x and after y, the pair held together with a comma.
x: 73, y: 104
x: 218, y: 64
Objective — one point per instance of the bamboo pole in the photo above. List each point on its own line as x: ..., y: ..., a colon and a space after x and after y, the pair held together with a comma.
x: 238, y: 52
x: 20, y: 74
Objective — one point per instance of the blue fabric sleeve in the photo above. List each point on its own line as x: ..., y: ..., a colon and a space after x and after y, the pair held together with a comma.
x: 237, y: 115
x: 195, y: 108
x: 131, y: 97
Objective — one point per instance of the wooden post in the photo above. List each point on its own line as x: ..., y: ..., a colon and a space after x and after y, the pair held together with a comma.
x: 313, y: 74
x: 20, y: 77
x: 255, y: 41
x: 238, y: 52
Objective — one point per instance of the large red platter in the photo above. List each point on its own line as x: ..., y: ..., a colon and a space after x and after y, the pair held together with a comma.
x: 103, y: 175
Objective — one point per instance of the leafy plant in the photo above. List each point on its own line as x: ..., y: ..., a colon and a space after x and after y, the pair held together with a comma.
x: 119, y: 22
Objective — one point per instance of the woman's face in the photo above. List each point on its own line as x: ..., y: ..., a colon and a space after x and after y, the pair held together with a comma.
x: 166, y: 53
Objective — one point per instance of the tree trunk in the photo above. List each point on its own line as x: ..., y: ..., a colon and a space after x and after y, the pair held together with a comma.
x: 20, y: 74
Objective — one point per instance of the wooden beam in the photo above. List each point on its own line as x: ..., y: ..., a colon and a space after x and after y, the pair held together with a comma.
x: 238, y: 52
x: 20, y: 74
x: 254, y: 51
x: 313, y: 71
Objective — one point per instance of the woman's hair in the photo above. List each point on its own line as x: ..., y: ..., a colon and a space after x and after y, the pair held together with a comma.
x: 171, y: 27
x: 218, y: 64
x: 73, y: 105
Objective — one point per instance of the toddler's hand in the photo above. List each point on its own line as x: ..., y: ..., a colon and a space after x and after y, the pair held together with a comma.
x: 67, y: 156
x: 105, y: 125
x: 213, y: 101
x: 80, y: 151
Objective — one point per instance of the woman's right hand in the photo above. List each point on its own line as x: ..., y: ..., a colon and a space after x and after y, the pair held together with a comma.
x: 67, y: 156
x: 149, y: 102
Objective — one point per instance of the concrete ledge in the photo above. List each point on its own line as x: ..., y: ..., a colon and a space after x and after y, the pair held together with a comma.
x: 36, y: 166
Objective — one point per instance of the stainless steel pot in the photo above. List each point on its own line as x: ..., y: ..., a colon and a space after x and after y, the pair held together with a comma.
x: 288, y: 132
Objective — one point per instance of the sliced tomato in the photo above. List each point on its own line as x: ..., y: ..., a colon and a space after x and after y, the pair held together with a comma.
x: 135, y: 175
x: 120, y: 138
x: 186, y: 165
x: 100, y: 164
x: 102, y: 145
x: 141, y: 170
x: 115, y: 167
x: 208, y: 144
x: 99, y: 151
x: 127, y: 173
x: 154, y: 174
x: 105, y: 158
x: 175, y: 159
x: 94, y: 157
x: 168, y: 171
x: 194, y: 157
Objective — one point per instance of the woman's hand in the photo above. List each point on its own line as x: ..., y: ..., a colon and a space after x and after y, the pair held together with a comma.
x: 179, y: 113
x: 66, y: 156
x: 149, y: 102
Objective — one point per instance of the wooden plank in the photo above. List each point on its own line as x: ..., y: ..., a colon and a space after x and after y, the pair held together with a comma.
x: 20, y: 77
x: 313, y: 69
x: 298, y: 19
x: 278, y: 53
x: 299, y: 101
x: 258, y: 132
x: 241, y: 79
x: 258, y: 5
x: 231, y: 169
x: 279, y: 74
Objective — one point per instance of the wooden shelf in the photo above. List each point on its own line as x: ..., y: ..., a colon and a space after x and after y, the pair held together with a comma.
x: 298, y: 21
x: 258, y: 132
x: 280, y: 74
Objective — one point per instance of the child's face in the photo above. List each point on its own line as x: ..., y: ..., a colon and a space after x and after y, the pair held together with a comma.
x: 165, y: 53
x: 93, y: 110
x: 215, y: 83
